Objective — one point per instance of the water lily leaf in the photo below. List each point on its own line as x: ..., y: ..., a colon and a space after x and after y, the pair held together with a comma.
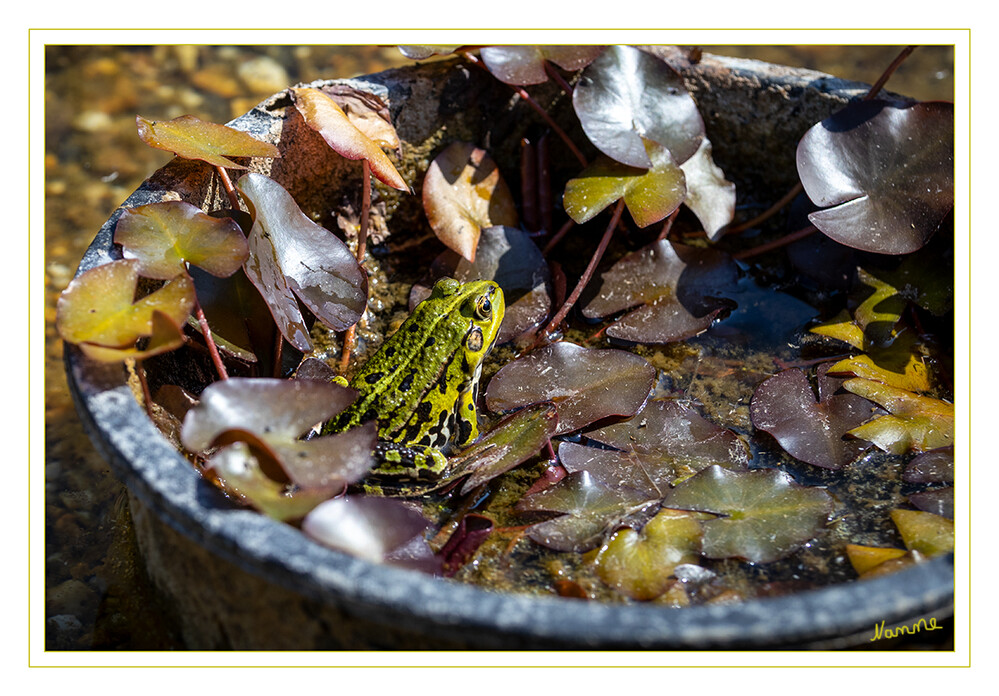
x: 931, y: 467
x: 939, y: 501
x: 164, y: 336
x: 192, y: 138
x: 241, y: 475
x: 843, y: 328
x: 240, y: 320
x: 98, y: 306
x: 676, y: 436
x: 900, y: 364
x: 424, y: 51
x: 650, y: 194
x: 472, y: 530
x: 164, y: 236
x: 508, y: 256
x: 367, y: 112
x: 914, y: 422
x: 678, y: 291
x: 368, y: 527
x: 587, y: 508
x: 627, y: 96
x: 919, y: 278
x: 525, y: 65
x: 809, y: 428
x: 464, y: 192
x: 291, y: 256
x: 649, y: 474
x: 765, y: 514
x: 710, y: 196
x: 325, y: 116
x: 882, y: 172
x: 585, y: 384
x: 512, y: 441
x: 640, y: 564
x: 864, y: 559
x: 924, y: 532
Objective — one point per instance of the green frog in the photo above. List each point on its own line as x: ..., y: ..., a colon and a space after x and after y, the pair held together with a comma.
x: 421, y: 385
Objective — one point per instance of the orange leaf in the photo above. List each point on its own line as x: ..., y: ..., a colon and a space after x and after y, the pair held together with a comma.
x: 192, y: 138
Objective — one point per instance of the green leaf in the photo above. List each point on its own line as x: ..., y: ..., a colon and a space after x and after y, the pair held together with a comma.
x: 192, y: 138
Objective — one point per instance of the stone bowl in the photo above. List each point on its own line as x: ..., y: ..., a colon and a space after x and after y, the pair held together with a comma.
x: 237, y: 579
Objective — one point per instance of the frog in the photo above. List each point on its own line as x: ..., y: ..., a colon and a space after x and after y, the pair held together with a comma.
x: 422, y: 384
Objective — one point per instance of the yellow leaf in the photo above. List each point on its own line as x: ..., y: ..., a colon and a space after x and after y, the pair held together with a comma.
x: 924, y: 532
x: 192, y: 138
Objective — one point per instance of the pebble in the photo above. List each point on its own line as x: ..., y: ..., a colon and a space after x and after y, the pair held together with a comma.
x: 92, y: 121
x: 263, y: 75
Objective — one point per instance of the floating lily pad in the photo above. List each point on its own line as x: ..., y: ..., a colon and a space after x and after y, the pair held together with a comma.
x: 931, y: 467
x: 649, y: 474
x: 166, y: 236
x: 587, y: 508
x: 640, y: 564
x: 240, y: 320
x: 914, y: 422
x: 424, y: 51
x: 650, y: 194
x: 512, y: 441
x: 464, y: 192
x: 379, y: 530
x: 809, y: 427
x: 585, y: 384
x: 924, y: 532
x: 325, y: 116
x: 627, y: 96
x: 291, y: 256
x: 192, y: 138
x: 939, y: 501
x: 883, y: 173
x: 525, y: 65
x: 765, y: 515
x: 674, y: 291
x: 865, y: 559
x: 98, y: 311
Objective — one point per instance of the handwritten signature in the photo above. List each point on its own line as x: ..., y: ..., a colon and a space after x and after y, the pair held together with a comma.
x: 895, y: 631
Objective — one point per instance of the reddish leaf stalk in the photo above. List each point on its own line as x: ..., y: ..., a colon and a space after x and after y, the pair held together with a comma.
x: 776, y: 244
x: 209, y: 341
x: 229, y: 188
x: 769, y: 212
x: 889, y: 71
x: 557, y: 237
x: 544, y: 184
x: 588, y: 273
x: 528, y: 185
x: 147, y: 398
x: 667, y: 226
x: 557, y: 76
x: 349, y: 336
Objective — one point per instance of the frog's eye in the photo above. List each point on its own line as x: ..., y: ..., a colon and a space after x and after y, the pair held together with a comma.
x: 483, y: 308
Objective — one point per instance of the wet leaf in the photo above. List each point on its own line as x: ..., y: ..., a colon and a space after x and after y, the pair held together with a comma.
x: 584, y: 384
x: 914, y: 422
x: 98, y: 308
x: 587, y: 508
x: 508, y: 256
x: 525, y: 65
x: 367, y: 112
x: 291, y: 256
x: 674, y: 435
x: 512, y: 441
x: 325, y: 116
x: 924, y: 532
x: 640, y: 564
x: 164, y: 336
x: 165, y: 236
x: 864, y: 559
x: 472, y: 530
x: 678, y: 291
x: 901, y: 365
x: 939, y: 501
x: 649, y: 194
x: 192, y: 138
x: 765, y: 514
x: 882, y: 172
x: 240, y: 320
x: 422, y: 52
x: 710, y: 196
x: 241, y: 475
x: 809, y: 428
x: 626, y: 96
x: 649, y: 474
x: 464, y: 192
x: 931, y: 467
x: 367, y: 527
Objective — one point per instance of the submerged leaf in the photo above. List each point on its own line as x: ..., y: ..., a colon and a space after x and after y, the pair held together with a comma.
x: 97, y: 307
x: 325, y: 116
x: 808, y: 428
x: 291, y: 256
x: 678, y: 291
x: 640, y: 564
x: 650, y: 194
x: 464, y: 192
x: 192, y: 138
x: 584, y: 384
x: 915, y: 422
x: 882, y: 172
x: 525, y: 65
x: 765, y: 514
x: 627, y: 96
x: 164, y: 236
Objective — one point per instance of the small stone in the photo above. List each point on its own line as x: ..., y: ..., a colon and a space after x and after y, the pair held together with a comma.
x: 92, y: 121
x: 263, y: 75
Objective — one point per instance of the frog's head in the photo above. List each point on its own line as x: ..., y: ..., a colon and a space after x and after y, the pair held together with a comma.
x: 481, y: 306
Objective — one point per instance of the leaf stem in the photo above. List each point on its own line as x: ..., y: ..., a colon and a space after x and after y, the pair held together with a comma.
x: 213, y: 350
x: 557, y: 237
x: 668, y: 225
x: 349, y: 336
x: 557, y: 76
x: 147, y: 398
x: 877, y: 86
x: 775, y: 244
x: 230, y: 190
x: 769, y: 212
x: 588, y: 273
